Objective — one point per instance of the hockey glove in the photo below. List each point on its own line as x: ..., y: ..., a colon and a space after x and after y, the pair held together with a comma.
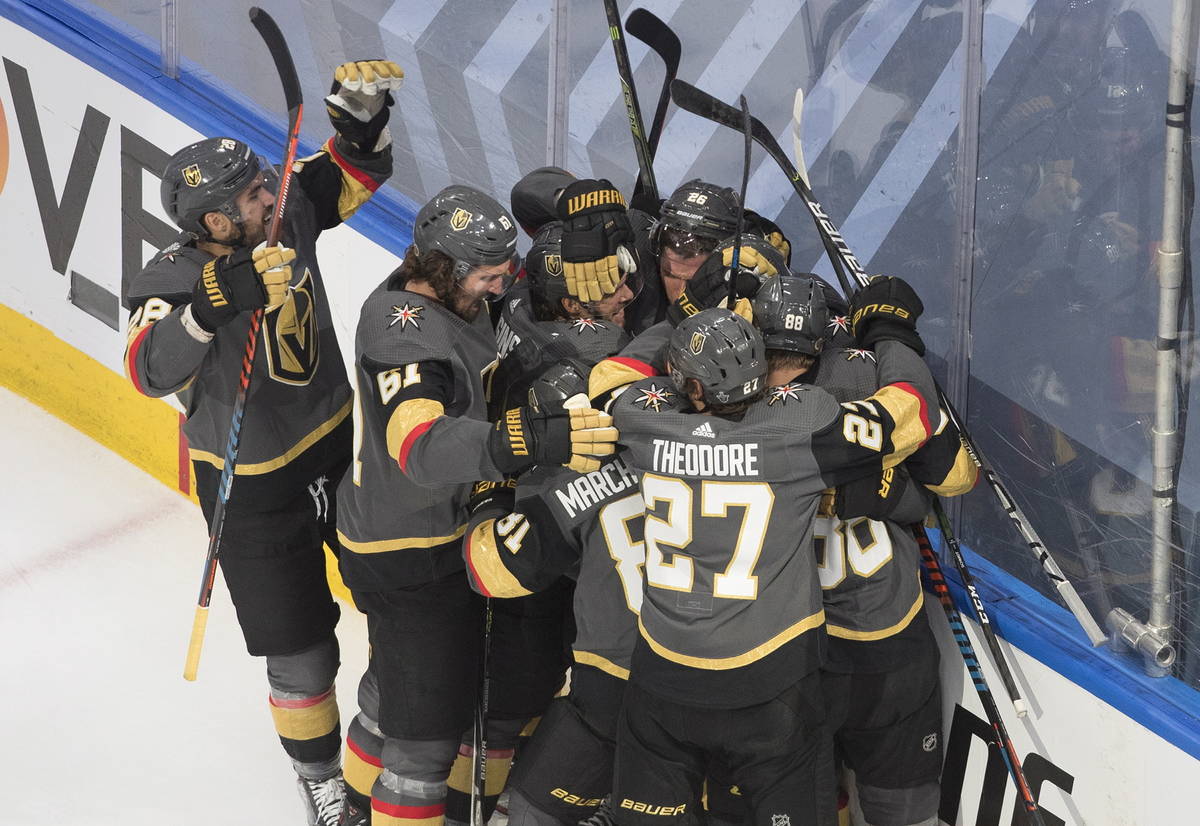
x: 241, y: 282
x: 769, y: 230
x: 523, y: 438
x: 494, y: 496
x: 881, y: 497
x: 359, y: 99
x: 887, y: 309
x: 709, y: 287
x: 597, y: 239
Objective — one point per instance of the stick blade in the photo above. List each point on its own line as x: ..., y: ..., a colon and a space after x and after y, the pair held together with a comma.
x: 690, y: 99
x: 647, y: 27
x: 269, y: 31
x: 797, y: 143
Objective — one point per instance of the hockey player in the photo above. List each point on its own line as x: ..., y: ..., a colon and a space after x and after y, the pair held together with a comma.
x: 731, y: 625
x: 542, y: 324
x: 188, y: 326
x: 423, y: 352
x: 881, y: 679
x: 560, y: 522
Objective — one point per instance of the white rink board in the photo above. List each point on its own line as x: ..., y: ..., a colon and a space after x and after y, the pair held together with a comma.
x: 351, y: 263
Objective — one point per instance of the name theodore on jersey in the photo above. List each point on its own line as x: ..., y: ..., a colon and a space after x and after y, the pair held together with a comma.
x: 598, y: 486
x: 684, y: 459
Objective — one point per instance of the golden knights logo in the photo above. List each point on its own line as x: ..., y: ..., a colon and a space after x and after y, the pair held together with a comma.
x: 696, y: 345
x: 460, y: 219
x: 192, y: 176
x: 554, y: 264
x: 291, y: 337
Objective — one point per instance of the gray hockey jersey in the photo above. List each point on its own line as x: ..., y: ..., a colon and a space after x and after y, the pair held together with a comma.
x: 420, y: 439
x: 587, y: 526
x: 300, y: 393
x: 732, y: 610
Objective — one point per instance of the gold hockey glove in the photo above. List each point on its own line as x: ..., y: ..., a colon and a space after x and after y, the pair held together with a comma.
x: 359, y: 99
x: 592, y: 436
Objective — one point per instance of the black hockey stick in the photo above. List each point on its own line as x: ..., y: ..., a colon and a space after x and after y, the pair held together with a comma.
x: 648, y: 28
x: 647, y: 185
x: 277, y: 46
x: 1007, y: 750
x: 479, y: 734
x: 690, y: 98
x: 736, y: 256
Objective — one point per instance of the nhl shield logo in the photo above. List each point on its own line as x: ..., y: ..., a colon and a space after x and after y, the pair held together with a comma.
x: 554, y: 265
x: 192, y: 176
x: 460, y: 219
x: 696, y: 345
x: 929, y: 742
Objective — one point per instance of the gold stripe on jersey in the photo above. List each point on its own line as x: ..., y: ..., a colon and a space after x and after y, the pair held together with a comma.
x: 380, y: 546
x: 609, y: 375
x: 721, y: 663
x: 405, y: 418
x: 962, y: 476
x: 483, y: 558
x: 910, y: 431
x: 882, y: 633
x: 605, y: 665
x: 258, y: 468
x: 308, y: 722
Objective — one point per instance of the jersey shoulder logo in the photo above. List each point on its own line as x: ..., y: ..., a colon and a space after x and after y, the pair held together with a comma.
x: 784, y: 393
x: 838, y: 323
x: 291, y: 335
x: 581, y: 324
x: 653, y: 397
x: 705, y: 430
x: 408, y: 314
x: 855, y: 353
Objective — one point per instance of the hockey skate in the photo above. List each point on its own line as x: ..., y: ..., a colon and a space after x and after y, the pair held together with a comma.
x: 324, y: 800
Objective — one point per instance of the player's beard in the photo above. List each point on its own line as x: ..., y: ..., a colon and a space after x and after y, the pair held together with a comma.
x: 464, y: 305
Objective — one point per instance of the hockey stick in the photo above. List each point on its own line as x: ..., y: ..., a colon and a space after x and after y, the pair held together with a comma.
x: 735, y: 258
x: 479, y: 746
x: 277, y: 46
x: 693, y: 100
x: 932, y: 562
x: 1007, y: 750
x: 648, y: 28
x: 647, y: 185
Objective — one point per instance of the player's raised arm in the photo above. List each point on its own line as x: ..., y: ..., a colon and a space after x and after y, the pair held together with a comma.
x: 352, y: 164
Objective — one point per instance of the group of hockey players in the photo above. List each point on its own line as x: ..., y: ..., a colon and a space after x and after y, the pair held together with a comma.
x: 628, y: 517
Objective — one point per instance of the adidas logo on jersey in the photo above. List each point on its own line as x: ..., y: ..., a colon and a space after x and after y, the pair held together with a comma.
x: 705, y: 430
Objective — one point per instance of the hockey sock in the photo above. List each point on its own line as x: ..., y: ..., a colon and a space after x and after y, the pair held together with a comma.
x: 411, y: 789
x: 310, y: 732
x: 501, y: 743
x: 364, y: 759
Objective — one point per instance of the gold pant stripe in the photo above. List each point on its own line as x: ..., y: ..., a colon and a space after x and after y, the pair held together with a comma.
x: 306, y: 723
x: 257, y: 468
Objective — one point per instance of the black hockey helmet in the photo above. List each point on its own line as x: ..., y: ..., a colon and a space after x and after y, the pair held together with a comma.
x: 468, y: 226
x: 791, y: 313
x: 565, y: 380
x: 533, y: 197
x: 207, y: 176
x: 696, y: 218
x: 722, y: 351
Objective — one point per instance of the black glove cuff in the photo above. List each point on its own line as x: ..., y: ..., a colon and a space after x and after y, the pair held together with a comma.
x: 885, y: 329
x: 588, y: 197
x: 362, y: 135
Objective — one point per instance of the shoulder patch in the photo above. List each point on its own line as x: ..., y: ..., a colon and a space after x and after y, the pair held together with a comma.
x: 785, y: 393
x: 865, y: 355
x: 654, y: 397
x: 405, y: 315
x: 838, y: 323
x: 579, y: 325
